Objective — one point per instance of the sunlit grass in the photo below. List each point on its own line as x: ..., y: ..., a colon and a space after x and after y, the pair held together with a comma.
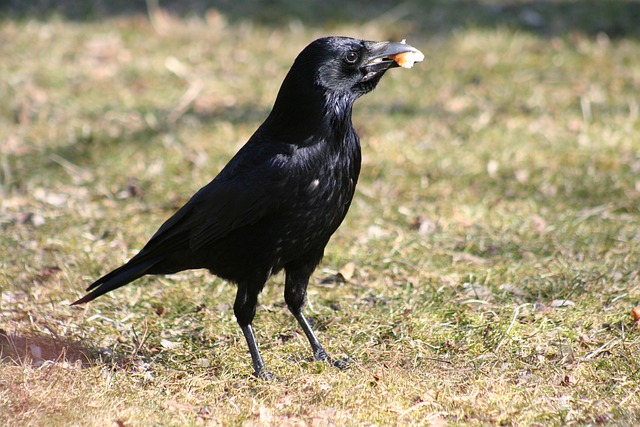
x: 500, y: 178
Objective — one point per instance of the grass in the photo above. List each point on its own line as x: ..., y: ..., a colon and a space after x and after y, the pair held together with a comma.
x: 484, y: 275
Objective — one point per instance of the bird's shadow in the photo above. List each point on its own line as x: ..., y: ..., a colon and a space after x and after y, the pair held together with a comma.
x: 37, y: 349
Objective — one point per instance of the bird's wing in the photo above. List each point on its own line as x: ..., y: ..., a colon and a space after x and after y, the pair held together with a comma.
x: 228, y: 206
x: 248, y: 188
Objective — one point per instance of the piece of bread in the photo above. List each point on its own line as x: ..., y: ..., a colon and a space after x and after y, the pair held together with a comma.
x: 407, y: 59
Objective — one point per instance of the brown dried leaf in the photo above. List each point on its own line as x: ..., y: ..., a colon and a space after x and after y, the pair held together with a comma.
x: 539, y: 223
x: 560, y: 303
x: 30, y: 218
x: 176, y: 406
x: 425, y: 226
x: 566, y: 380
x: 436, y: 420
x: 467, y: 257
x: 47, y: 273
x: 347, y: 271
x: 54, y: 199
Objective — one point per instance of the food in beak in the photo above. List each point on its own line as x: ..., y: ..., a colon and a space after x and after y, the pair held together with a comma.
x: 407, y: 59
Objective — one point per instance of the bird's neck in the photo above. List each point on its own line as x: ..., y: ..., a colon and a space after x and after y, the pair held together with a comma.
x: 337, y: 115
x: 305, y: 115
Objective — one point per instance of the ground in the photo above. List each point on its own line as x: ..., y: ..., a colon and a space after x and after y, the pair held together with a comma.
x: 485, y: 274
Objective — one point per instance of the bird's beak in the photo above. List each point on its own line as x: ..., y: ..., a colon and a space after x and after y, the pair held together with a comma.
x: 385, y: 55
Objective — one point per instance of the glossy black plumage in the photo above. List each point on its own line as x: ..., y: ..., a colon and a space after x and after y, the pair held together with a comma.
x: 277, y: 202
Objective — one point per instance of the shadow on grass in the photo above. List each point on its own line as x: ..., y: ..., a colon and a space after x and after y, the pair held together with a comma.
x: 615, y: 18
x: 37, y: 349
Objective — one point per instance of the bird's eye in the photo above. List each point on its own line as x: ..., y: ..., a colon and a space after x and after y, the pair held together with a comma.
x: 351, y: 57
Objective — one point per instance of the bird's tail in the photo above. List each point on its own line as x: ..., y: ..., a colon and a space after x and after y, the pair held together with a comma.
x: 117, y: 278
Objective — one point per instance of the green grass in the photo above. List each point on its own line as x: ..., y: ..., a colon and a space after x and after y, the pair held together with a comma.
x: 500, y: 177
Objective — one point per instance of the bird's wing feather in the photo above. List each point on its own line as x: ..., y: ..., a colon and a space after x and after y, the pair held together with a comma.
x: 233, y: 208
x: 245, y: 191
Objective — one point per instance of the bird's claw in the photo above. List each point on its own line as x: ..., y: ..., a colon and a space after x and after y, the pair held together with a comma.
x: 265, y: 375
x: 342, y: 363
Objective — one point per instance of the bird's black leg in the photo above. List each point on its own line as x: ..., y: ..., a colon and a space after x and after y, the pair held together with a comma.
x: 295, y: 293
x: 244, y: 309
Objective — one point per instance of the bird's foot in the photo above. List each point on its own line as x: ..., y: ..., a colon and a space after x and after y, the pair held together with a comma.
x: 265, y: 375
x: 342, y: 363
x: 322, y: 356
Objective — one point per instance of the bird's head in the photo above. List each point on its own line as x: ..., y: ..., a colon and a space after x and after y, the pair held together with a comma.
x: 327, y: 77
x: 348, y: 65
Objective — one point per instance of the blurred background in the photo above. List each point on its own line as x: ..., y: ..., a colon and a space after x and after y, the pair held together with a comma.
x: 615, y: 18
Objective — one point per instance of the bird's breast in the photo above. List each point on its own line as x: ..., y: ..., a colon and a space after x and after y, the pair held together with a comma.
x: 319, y: 200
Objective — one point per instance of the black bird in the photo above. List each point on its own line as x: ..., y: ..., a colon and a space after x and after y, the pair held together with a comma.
x: 277, y: 202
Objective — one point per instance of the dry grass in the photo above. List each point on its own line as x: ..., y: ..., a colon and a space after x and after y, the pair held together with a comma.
x: 500, y: 178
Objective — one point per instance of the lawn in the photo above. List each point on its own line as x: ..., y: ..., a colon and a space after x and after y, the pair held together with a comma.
x: 485, y: 274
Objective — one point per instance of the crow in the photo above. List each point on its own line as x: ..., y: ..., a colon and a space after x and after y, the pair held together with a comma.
x: 277, y: 202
